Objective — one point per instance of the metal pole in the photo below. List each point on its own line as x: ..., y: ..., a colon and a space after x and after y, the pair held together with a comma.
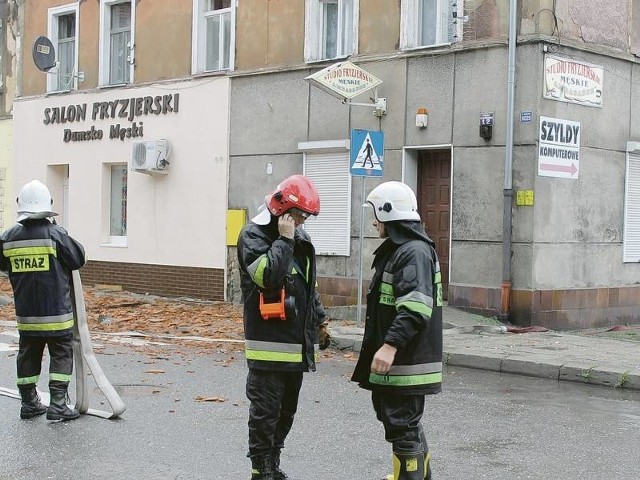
x: 508, y: 167
x: 361, y: 239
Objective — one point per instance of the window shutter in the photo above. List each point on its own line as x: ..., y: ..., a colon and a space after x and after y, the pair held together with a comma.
x: 631, y: 243
x: 330, y: 231
x: 408, y: 24
x: 312, y: 30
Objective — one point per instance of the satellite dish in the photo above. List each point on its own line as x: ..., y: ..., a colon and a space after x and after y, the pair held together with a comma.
x: 44, y: 54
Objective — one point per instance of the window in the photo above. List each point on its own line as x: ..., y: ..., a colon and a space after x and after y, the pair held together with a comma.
x: 118, y: 205
x: 426, y: 23
x: 331, y: 28
x: 214, y: 36
x: 116, y: 42
x: 631, y: 242
x: 63, y: 33
x: 328, y: 169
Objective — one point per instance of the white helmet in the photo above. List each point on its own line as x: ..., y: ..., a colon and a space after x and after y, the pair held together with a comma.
x: 393, y: 201
x: 34, y: 201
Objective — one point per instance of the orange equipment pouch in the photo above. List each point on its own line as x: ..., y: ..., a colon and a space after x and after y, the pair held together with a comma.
x: 273, y: 310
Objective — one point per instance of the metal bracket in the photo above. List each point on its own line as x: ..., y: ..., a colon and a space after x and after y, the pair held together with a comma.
x: 379, y: 106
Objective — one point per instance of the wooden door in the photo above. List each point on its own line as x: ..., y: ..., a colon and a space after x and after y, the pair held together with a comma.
x: 434, y: 187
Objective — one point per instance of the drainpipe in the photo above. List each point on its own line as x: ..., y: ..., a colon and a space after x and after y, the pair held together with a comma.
x: 505, y: 290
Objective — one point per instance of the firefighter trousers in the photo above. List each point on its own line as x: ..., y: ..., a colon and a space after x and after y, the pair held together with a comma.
x: 400, y: 415
x: 274, y: 402
x: 29, y: 360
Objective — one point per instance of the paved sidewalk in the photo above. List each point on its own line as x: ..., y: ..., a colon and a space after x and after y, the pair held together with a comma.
x: 475, y: 342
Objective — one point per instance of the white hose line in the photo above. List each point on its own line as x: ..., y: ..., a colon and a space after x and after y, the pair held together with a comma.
x: 86, y: 358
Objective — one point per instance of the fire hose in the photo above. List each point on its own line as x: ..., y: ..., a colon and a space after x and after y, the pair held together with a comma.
x: 85, y: 362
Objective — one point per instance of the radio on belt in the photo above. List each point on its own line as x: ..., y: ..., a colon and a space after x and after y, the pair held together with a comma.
x: 281, y: 307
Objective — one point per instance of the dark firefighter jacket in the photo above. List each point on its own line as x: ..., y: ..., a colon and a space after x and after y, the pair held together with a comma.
x: 269, y: 262
x: 39, y: 257
x: 404, y: 309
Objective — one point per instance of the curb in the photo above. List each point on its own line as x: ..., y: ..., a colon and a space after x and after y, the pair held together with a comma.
x: 570, y: 373
x: 349, y: 339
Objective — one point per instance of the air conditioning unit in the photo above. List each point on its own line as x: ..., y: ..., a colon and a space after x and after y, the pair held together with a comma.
x: 150, y: 156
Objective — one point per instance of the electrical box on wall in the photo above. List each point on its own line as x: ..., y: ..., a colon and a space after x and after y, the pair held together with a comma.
x: 150, y: 156
x: 486, y: 125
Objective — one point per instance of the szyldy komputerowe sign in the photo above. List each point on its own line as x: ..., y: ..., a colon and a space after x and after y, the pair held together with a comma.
x: 558, y: 148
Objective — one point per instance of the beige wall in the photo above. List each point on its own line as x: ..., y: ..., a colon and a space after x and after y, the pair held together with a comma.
x: 379, y: 26
x: 269, y: 33
x: 177, y: 219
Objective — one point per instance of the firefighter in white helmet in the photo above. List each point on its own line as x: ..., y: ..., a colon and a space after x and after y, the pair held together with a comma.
x: 401, y: 357
x: 39, y: 257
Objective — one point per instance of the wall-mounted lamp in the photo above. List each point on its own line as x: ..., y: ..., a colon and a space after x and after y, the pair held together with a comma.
x: 422, y: 117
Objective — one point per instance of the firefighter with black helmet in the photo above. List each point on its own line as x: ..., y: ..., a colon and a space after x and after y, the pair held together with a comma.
x: 39, y: 257
x: 284, y: 321
x: 401, y: 356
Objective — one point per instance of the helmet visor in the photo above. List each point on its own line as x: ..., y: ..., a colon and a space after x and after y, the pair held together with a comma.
x: 298, y: 212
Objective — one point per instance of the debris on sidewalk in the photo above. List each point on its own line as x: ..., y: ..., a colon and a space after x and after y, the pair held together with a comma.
x: 173, y: 320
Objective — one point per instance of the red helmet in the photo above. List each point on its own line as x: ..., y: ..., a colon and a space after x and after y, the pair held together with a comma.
x: 296, y: 191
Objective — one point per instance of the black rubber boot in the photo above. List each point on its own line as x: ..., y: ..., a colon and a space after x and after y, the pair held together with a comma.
x: 31, y: 406
x: 58, y: 408
x: 261, y: 468
x: 275, y: 464
x: 408, y: 461
x: 427, y: 455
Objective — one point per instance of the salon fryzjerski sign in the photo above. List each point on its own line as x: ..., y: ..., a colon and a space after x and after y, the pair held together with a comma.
x: 125, y: 114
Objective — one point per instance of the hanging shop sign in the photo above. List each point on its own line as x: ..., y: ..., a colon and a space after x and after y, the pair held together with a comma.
x: 568, y: 80
x: 126, y: 115
x: 343, y: 80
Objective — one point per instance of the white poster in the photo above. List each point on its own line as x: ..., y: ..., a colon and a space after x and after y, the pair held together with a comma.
x: 572, y: 81
x: 558, y: 148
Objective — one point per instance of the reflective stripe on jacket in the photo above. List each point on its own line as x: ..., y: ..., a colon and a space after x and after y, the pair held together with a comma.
x: 267, y: 263
x: 39, y: 257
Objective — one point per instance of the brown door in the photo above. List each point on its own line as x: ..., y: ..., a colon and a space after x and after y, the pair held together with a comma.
x: 434, y: 186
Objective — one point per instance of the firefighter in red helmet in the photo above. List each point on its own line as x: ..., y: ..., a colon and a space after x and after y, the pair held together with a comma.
x: 284, y: 321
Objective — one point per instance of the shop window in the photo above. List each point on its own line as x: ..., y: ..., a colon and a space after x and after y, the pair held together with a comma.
x: 426, y: 23
x: 118, y: 205
x: 63, y: 33
x: 331, y: 230
x: 116, y: 42
x: 213, y: 35
x: 331, y: 29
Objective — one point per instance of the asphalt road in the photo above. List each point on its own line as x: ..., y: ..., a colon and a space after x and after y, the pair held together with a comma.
x: 484, y: 425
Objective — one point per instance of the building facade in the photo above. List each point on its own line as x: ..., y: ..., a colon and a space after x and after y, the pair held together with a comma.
x: 10, y: 22
x: 128, y: 126
x: 537, y: 222
x: 568, y: 204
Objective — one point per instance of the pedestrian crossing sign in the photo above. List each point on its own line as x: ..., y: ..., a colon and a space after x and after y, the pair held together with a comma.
x: 367, y: 153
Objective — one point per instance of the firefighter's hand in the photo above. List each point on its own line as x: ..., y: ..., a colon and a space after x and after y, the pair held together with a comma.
x: 383, y: 359
x: 286, y: 226
x: 324, y: 336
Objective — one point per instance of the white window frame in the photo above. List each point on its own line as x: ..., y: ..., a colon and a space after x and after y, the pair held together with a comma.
x: 114, y: 240
x: 52, y: 32
x: 104, y: 48
x: 327, y: 165
x: 199, y: 35
x: 411, y: 25
x: 314, y: 41
x: 631, y: 240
